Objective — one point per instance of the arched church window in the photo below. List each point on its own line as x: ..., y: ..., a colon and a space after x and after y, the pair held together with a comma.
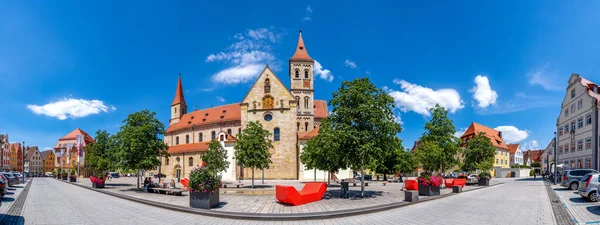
x: 306, y: 102
x: 306, y: 74
x: 268, y: 102
x: 190, y: 161
x: 276, y: 134
x: 297, y: 73
x: 200, y: 137
x: 298, y: 126
x: 297, y: 102
x: 229, y: 131
x: 267, y: 86
x: 187, y: 139
x: 176, y: 140
x: 213, y: 135
x: 306, y: 126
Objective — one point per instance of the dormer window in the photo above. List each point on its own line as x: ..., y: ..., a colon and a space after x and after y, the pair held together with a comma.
x: 203, y: 120
x: 206, y: 114
x: 224, y: 111
x: 222, y: 117
x: 192, y: 117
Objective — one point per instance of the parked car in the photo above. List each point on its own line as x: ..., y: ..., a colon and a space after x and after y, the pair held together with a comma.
x: 472, y: 179
x: 4, y: 179
x: 114, y: 174
x: 571, y: 178
x: 588, y: 187
x: 12, y: 180
x: 19, y: 176
x: 3, y: 189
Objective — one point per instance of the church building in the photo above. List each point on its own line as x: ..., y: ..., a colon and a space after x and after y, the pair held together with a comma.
x: 292, y: 115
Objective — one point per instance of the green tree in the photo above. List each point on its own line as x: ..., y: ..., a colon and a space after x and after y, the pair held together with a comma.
x: 138, y: 144
x: 406, y: 163
x: 322, y: 151
x: 479, y: 154
x: 252, y: 147
x: 100, y: 155
x: 389, y: 161
x: 440, y: 140
x: 364, y: 120
x: 534, y: 164
x: 216, y: 157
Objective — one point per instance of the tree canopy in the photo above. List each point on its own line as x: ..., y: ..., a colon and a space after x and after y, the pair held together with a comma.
x: 100, y: 155
x: 322, y: 152
x: 138, y: 144
x: 479, y: 153
x: 252, y: 147
x: 439, y: 147
x: 216, y: 157
x: 363, y: 119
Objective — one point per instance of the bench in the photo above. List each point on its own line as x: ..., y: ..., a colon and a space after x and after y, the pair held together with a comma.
x: 450, y: 182
x: 311, y: 192
x: 350, y: 180
x: 174, y: 191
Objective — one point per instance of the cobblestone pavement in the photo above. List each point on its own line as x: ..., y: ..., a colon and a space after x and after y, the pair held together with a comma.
x: 262, y: 199
x: 12, y: 204
x: 515, y: 202
x: 581, y: 211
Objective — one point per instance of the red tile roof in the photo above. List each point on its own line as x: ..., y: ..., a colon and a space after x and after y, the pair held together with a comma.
x: 512, y: 148
x: 490, y: 133
x: 535, y: 155
x: 219, y: 114
x: 179, y: 99
x: 321, y: 109
x: 185, y: 148
x: 301, y: 53
x: 308, y: 135
x: 73, y: 136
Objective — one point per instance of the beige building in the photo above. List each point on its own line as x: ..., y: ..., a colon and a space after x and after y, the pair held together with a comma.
x: 34, y: 164
x: 286, y: 113
x: 502, y: 157
x: 49, y: 159
x: 577, y: 125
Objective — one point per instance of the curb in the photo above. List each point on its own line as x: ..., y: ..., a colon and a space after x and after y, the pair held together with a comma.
x: 275, y: 216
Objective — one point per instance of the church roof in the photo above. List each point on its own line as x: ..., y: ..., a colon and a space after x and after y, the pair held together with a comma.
x: 494, y: 135
x: 512, y: 148
x: 218, y: 114
x: 308, y: 135
x: 320, y: 109
x: 179, y: 99
x: 301, y: 53
x: 185, y: 148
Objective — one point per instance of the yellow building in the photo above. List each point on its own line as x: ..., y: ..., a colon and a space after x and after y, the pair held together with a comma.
x: 49, y: 160
x: 502, y: 157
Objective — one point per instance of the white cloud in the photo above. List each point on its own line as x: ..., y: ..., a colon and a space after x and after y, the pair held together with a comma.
x: 398, y: 119
x: 350, y: 64
x: 220, y: 99
x: 324, y: 74
x: 246, y: 57
x: 70, y: 107
x: 483, y: 93
x: 368, y: 73
x: 207, y: 89
x: 309, y: 9
x: 530, y: 145
x: 545, y: 79
x: 308, y: 12
x: 512, y: 134
x: 460, y: 132
x: 420, y: 99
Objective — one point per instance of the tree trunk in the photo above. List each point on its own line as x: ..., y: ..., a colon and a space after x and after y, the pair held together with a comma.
x: 315, y: 176
x: 138, y: 179
x: 362, y: 180
x: 253, y: 177
x: 328, y: 178
x: 384, y: 176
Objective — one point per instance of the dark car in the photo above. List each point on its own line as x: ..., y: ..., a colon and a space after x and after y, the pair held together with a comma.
x: 12, y: 180
x: 368, y: 177
x: 3, y: 189
x: 160, y: 174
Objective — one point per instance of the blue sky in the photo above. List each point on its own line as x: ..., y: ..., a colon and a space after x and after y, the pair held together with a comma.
x: 89, y: 64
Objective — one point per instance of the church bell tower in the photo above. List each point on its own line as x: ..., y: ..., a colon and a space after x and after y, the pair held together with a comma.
x: 178, y: 107
x: 302, y: 86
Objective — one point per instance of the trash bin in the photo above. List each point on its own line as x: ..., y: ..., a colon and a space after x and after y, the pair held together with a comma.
x: 344, y: 191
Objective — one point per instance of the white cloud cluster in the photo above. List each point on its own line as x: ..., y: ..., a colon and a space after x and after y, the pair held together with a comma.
x: 247, y: 56
x: 308, y: 12
x: 70, y: 107
x: 512, y: 134
x: 460, y: 132
x: 220, y: 99
x: 530, y: 145
x: 420, y: 99
x: 545, y: 80
x: 323, y: 73
x: 350, y: 64
x: 483, y: 93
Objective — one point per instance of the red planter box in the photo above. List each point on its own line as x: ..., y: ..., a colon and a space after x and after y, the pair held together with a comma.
x: 411, y: 185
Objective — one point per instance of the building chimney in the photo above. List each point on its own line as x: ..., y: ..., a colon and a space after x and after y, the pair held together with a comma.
x: 500, y: 134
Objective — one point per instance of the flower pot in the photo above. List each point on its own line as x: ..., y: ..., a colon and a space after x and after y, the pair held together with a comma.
x: 428, y: 190
x: 484, y: 182
x: 204, y: 200
x: 94, y: 185
x: 64, y: 178
x: 72, y: 179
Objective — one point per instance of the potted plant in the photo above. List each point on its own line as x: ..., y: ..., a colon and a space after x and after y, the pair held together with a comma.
x: 63, y: 175
x: 58, y: 173
x: 429, y: 185
x: 72, y: 177
x: 97, y: 182
x: 204, y: 188
x: 484, y: 179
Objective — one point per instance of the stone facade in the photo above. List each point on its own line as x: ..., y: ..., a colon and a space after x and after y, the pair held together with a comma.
x: 283, y: 112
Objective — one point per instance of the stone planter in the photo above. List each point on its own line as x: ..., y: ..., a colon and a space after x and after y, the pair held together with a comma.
x: 64, y: 178
x: 204, y: 200
x: 428, y: 190
x: 484, y: 182
x: 72, y: 179
x: 94, y: 185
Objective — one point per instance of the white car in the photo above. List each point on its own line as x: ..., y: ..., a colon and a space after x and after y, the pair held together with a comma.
x: 472, y: 179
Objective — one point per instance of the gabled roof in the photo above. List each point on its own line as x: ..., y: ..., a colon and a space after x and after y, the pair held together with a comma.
x: 218, y: 114
x: 179, y: 99
x: 512, y: 148
x: 30, y: 151
x: 45, y: 154
x: 493, y: 135
x: 320, y: 109
x: 73, y: 136
x: 301, y: 53
x: 535, y: 155
x: 308, y: 135
x: 266, y: 71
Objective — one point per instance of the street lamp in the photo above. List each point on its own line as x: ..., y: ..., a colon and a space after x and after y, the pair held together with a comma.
x: 555, y: 159
x: 23, y: 159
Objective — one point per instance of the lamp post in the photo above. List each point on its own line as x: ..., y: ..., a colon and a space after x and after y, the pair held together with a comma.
x: 23, y: 159
x: 555, y: 159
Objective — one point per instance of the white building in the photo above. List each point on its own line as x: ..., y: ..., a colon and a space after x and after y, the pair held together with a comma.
x: 516, y: 154
x: 577, y: 124
x: 548, y: 156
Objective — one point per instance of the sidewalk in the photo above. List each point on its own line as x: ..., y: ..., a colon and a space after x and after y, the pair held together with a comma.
x: 581, y: 211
